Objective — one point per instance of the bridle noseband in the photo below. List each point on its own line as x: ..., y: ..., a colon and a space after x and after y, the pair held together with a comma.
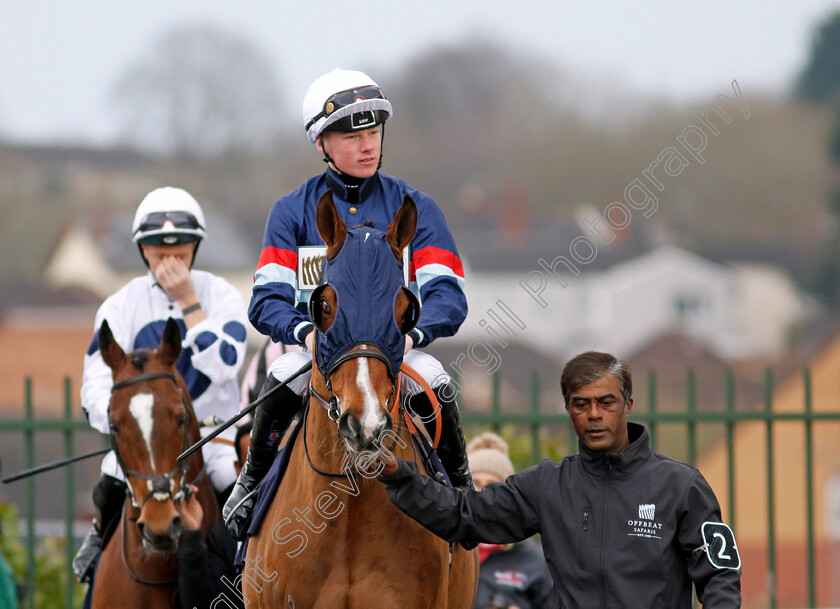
x: 333, y: 407
x: 161, y: 486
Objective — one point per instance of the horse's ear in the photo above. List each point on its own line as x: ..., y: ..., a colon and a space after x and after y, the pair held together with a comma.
x: 112, y: 353
x: 402, y: 228
x: 170, y: 343
x: 331, y: 227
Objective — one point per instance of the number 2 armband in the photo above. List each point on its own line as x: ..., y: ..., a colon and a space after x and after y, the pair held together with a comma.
x: 719, y: 545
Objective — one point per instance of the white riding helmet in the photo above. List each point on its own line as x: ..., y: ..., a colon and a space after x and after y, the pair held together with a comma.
x: 168, y: 216
x: 343, y: 100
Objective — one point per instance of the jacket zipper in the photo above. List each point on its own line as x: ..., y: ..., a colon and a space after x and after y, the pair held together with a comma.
x: 601, y: 552
x: 583, y: 538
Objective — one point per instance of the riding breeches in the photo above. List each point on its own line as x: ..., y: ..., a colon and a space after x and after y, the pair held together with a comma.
x: 426, y: 366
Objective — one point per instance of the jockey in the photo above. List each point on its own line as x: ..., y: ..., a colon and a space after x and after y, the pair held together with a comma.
x: 344, y: 114
x: 168, y: 228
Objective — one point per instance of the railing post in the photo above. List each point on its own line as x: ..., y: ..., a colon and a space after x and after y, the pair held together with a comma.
x: 771, y: 513
x: 69, y: 495
x: 496, y: 404
x: 29, y: 442
x: 535, y: 411
x: 652, y: 407
x: 691, y: 423
x: 809, y: 487
x: 730, y: 444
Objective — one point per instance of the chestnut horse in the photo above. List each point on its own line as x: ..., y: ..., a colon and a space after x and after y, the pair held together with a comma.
x: 331, y: 539
x: 152, y: 422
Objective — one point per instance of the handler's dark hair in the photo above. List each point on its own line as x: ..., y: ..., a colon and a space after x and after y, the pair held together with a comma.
x: 589, y: 367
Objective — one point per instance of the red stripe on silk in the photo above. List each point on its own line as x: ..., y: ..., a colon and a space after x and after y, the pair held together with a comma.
x: 274, y: 255
x: 436, y: 255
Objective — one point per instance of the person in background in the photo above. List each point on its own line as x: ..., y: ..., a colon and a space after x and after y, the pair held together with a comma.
x: 512, y: 575
x: 168, y: 228
x: 621, y: 525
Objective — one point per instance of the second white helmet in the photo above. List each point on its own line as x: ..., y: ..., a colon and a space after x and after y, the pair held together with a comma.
x: 168, y: 216
x: 343, y: 100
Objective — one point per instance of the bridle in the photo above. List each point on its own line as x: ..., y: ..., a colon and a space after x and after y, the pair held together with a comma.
x: 333, y: 407
x: 162, y: 486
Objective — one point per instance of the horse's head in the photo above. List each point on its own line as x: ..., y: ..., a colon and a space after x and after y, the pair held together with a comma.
x: 362, y: 312
x: 152, y: 422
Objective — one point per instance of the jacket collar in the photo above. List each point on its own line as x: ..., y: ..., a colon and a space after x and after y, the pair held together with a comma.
x: 351, y: 194
x: 601, y: 464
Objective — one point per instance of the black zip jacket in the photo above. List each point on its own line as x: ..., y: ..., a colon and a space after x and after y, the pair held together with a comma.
x: 628, y: 530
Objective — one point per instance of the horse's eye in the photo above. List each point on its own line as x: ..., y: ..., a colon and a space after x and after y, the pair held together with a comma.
x: 325, y: 306
x: 115, y: 429
x: 181, y: 420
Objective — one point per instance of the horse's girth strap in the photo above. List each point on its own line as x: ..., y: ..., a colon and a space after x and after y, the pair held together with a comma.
x: 417, y: 378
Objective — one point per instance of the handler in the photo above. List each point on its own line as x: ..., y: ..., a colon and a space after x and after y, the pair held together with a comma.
x: 621, y: 526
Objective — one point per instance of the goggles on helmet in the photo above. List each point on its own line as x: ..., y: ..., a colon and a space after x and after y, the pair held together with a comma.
x: 345, y: 98
x: 179, y: 219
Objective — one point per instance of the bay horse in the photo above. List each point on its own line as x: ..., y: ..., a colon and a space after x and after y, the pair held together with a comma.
x: 331, y: 539
x: 152, y: 421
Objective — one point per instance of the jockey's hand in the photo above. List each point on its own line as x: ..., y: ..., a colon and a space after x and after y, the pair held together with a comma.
x: 409, y: 343
x: 191, y: 511
x: 174, y: 277
x: 309, y: 341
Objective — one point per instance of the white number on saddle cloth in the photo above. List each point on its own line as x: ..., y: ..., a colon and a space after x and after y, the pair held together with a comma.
x: 720, y: 546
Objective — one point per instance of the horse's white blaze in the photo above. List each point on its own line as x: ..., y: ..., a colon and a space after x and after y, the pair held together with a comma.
x: 371, y: 416
x: 140, y: 407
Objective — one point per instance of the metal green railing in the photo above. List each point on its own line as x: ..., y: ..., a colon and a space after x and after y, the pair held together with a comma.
x: 534, y: 418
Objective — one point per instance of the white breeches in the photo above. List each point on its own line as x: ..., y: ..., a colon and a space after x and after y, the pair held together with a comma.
x: 426, y: 366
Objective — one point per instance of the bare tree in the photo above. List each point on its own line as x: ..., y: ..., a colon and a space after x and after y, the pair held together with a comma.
x: 199, y: 90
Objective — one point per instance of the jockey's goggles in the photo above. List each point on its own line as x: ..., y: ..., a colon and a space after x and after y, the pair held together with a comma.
x: 179, y: 219
x: 345, y: 98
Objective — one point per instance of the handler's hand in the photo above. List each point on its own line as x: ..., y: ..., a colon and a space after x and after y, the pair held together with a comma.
x: 409, y: 344
x: 191, y: 511
x: 389, y: 464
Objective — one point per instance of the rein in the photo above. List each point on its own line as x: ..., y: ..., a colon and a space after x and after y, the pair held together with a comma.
x: 134, y: 576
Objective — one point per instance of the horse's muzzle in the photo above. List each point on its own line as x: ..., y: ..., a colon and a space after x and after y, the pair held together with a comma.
x: 163, y: 541
x: 354, y: 436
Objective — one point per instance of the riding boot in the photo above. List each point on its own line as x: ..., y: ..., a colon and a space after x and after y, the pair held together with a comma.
x: 271, y: 421
x: 108, y: 497
x: 453, y: 447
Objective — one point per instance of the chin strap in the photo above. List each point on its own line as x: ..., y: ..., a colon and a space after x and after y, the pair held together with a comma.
x: 329, y: 161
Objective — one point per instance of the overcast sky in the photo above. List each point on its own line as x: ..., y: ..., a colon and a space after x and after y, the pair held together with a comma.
x: 59, y: 59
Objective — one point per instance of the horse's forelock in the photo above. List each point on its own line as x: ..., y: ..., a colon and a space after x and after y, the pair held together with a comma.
x: 139, y: 359
x: 364, y: 224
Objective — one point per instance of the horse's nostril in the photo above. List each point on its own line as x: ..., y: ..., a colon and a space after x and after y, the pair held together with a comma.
x: 141, y: 527
x: 349, y: 427
x: 175, y: 527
